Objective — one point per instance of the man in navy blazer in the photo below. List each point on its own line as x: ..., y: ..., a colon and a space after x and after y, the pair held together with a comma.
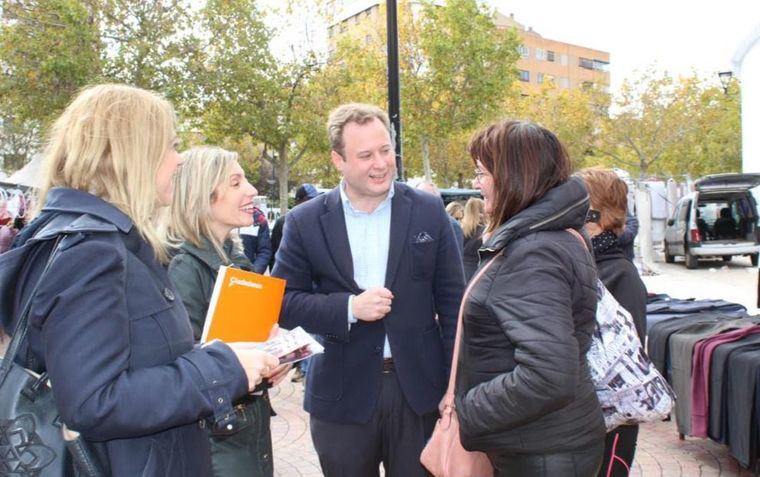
x: 373, y: 269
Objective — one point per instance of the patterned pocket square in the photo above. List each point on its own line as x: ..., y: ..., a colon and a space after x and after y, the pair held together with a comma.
x: 422, y: 237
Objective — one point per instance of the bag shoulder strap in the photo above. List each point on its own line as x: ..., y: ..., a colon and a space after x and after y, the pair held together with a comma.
x: 579, y: 237
x: 458, y: 338
x: 20, y: 331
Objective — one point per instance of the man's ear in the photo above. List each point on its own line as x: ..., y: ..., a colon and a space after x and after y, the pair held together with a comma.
x: 337, y: 160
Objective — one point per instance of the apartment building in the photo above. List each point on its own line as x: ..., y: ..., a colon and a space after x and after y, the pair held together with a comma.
x: 563, y: 64
x: 542, y: 60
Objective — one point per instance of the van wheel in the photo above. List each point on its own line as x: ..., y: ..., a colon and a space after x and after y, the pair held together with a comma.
x: 753, y: 259
x: 668, y: 257
x: 691, y: 261
x: 727, y: 258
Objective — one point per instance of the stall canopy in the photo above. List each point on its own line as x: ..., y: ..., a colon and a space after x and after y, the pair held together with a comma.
x: 27, y: 176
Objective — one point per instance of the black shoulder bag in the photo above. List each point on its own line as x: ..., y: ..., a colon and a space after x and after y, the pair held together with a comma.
x: 31, y: 433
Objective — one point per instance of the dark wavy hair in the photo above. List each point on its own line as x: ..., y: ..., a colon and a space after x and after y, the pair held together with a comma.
x: 525, y: 161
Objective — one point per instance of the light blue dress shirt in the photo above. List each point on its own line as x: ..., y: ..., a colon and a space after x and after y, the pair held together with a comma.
x: 369, y: 237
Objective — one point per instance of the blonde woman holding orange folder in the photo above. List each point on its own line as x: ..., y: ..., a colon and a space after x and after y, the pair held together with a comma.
x: 212, y: 198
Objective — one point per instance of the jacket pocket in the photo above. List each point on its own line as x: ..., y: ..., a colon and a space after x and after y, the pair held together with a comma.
x: 423, y: 259
x: 327, y: 368
x: 148, y: 342
x: 243, y: 420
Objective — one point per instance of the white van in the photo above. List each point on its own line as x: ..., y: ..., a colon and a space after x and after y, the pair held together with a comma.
x: 718, y: 219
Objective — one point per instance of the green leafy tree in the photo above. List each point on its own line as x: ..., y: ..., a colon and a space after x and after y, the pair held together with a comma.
x: 148, y: 43
x: 652, y: 116
x: 49, y: 49
x: 673, y: 126
x: 574, y: 115
x: 19, y: 140
x: 247, y: 92
x: 714, y: 144
x: 456, y: 69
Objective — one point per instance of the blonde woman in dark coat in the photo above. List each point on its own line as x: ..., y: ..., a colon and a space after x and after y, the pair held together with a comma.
x: 211, y: 200
x: 106, y: 323
x: 473, y: 226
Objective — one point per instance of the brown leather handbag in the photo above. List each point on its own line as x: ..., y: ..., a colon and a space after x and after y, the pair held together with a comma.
x: 444, y: 455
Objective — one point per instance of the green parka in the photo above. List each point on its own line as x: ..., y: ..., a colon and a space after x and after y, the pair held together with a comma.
x: 245, y: 450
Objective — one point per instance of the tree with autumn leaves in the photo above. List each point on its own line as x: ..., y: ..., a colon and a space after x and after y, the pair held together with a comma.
x: 218, y: 65
x: 668, y: 126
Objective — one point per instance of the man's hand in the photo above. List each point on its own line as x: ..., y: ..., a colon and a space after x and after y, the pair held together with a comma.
x: 372, y: 305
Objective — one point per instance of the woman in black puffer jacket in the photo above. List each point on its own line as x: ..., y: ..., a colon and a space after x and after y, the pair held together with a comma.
x: 524, y: 392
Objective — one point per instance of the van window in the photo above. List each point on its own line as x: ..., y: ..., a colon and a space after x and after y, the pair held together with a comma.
x: 683, y: 211
x: 710, y: 211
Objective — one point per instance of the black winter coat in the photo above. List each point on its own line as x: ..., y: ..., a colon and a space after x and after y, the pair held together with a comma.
x: 524, y: 384
x: 622, y: 279
x: 470, y: 256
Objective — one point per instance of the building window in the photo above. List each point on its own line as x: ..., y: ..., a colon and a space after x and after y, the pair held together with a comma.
x: 540, y: 54
x: 550, y: 56
x: 367, y: 39
x: 600, y: 65
x: 525, y: 76
x: 586, y: 63
x: 539, y: 78
x: 523, y: 50
x: 563, y: 59
x: 330, y: 32
x: 587, y: 85
x: 564, y: 82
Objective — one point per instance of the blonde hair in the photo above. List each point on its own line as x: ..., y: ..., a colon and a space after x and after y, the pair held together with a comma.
x: 474, y: 215
x: 454, y: 209
x: 205, y: 169
x: 110, y: 142
x: 359, y: 113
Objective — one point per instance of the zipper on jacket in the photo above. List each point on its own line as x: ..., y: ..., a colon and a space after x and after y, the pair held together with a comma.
x: 559, y: 214
x: 545, y: 221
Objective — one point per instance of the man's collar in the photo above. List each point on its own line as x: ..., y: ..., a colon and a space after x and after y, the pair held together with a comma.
x: 347, y: 202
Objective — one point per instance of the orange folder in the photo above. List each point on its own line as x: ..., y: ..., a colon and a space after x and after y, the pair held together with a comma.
x: 244, y: 306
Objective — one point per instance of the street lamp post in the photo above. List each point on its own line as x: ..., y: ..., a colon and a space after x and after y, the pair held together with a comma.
x: 394, y: 95
x: 725, y: 79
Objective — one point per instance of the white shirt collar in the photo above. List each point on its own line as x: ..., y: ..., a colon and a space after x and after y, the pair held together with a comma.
x: 347, y: 202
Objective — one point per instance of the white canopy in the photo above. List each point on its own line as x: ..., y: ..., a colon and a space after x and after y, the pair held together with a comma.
x: 28, y: 175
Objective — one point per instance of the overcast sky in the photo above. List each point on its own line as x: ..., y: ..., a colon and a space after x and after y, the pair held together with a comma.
x: 672, y: 35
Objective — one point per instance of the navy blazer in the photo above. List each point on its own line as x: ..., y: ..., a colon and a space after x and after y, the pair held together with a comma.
x: 425, y: 275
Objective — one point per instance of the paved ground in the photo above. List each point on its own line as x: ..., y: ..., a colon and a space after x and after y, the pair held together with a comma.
x: 660, y: 452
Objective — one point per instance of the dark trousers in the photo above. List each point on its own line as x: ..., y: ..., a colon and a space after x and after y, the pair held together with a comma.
x: 582, y: 463
x: 247, y: 450
x: 395, y: 436
x: 619, y: 449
